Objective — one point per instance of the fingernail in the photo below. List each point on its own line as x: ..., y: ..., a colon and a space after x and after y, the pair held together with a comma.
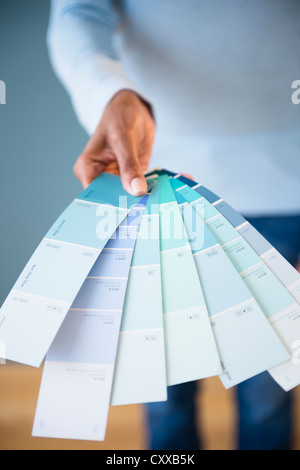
x: 138, y: 187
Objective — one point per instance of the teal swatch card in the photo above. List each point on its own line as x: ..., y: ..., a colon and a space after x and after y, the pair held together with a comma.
x: 191, y: 351
x: 140, y: 373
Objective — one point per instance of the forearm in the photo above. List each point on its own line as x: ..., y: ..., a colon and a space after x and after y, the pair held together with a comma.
x: 80, y: 45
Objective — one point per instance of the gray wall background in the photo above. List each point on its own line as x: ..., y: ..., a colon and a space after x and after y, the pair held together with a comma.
x: 40, y: 138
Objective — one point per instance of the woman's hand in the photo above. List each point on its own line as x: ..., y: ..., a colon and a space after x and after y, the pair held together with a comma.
x: 121, y: 144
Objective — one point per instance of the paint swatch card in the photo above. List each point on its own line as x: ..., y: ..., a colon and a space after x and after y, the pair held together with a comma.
x: 140, y: 373
x: 268, y: 276
x: 78, y: 375
x: 40, y: 299
x: 246, y: 342
x: 191, y: 351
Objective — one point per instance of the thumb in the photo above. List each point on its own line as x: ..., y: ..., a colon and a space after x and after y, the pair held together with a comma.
x: 188, y: 176
x: 131, y: 172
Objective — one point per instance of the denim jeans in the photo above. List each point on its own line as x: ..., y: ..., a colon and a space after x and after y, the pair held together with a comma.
x: 265, y: 411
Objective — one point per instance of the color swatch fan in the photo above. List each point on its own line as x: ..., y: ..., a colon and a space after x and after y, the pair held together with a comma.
x: 126, y: 296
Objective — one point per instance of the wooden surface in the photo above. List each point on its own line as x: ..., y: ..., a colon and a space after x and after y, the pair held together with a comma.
x: 19, y: 387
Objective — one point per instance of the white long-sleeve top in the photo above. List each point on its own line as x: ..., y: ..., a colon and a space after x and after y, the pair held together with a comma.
x: 218, y: 74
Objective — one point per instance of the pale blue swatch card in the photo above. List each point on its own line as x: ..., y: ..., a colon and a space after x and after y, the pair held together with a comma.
x: 78, y: 375
x: 40, y: 299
